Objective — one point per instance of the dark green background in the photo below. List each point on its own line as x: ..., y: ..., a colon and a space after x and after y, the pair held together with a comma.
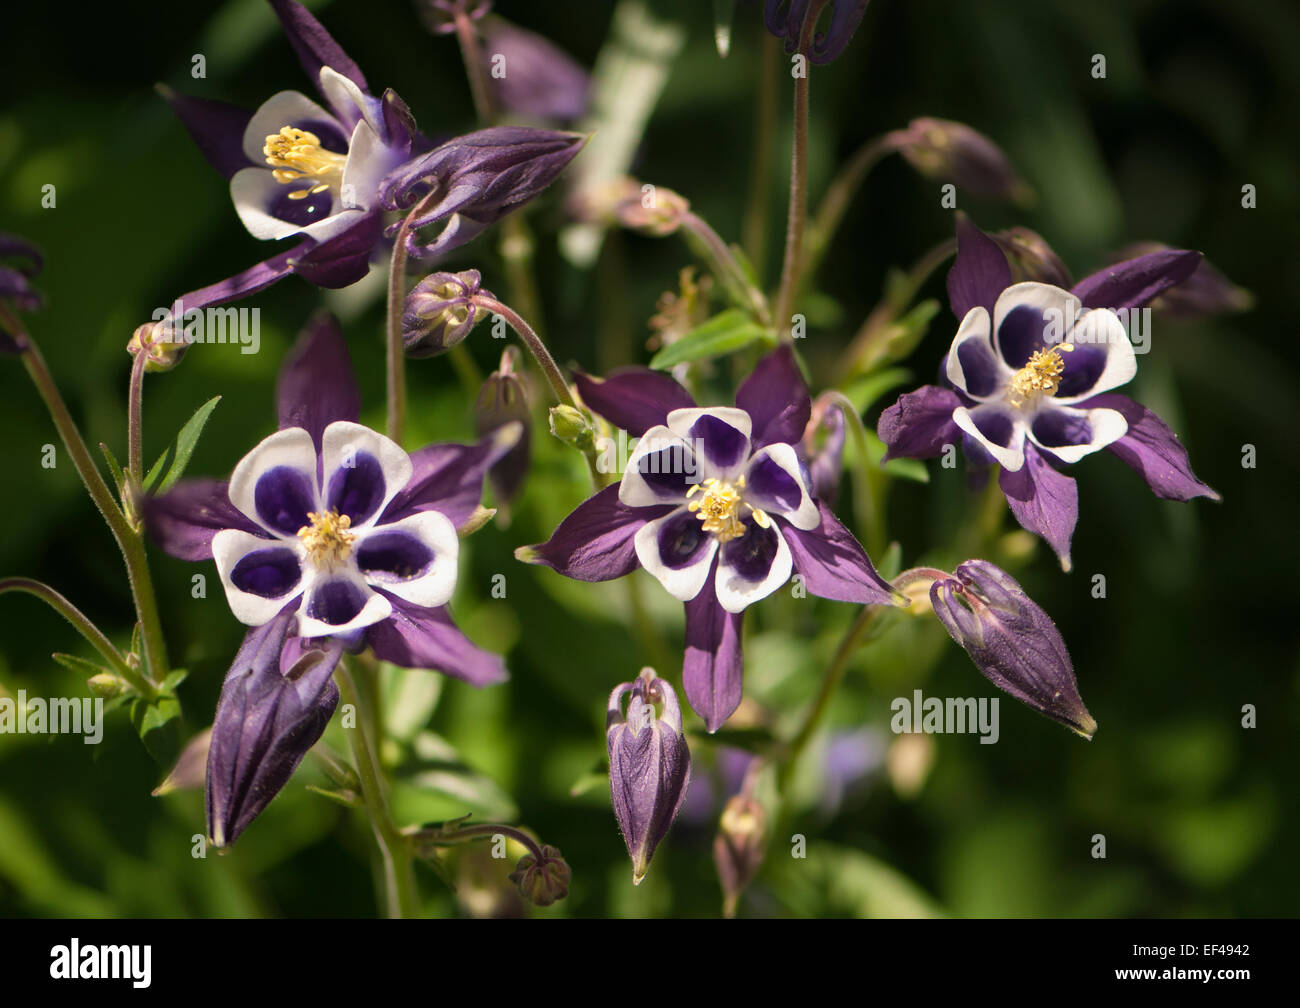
x: 1199, y: 813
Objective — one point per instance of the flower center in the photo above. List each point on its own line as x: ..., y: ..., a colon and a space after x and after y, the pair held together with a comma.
x: 719, y: 508
x: 297, y: 154
x: 327, y: 539
x: 1041, y: 375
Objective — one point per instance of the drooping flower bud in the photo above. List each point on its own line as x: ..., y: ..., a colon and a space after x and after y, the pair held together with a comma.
x: 1206, y: 292
x: 572, y: 426
x: 953, y: 152
x: 654, y: 210
x: 823, y: 448
x: 267, y: 718
x: 543, y: 883
x: 440, y: 312
x: 159, y: 343
x: 649, y: 764
x: 1011, y: 640
x: 501, y: 401
x: 1031, y: 258
x: 739, y: 847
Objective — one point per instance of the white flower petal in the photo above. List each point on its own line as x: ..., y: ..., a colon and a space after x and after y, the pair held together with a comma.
x: 229, y: 546
x: 291, y: 449
x: 720, y: 449
x: 683, y: 582
x: 761, y: 491
x: 1098, y: 331
x: 975, y: 330
x: 432, y: 585
x: 1011, y: 456
x: 736, y: 592
x: 351, y: 446
x: 316, y: 603
x: 667, y: 476
x: 1104, y: 427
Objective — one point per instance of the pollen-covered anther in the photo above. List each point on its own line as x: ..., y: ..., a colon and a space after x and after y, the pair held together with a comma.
x: 327, y: 539
x: 719, y: 508
x: 297, y: 154
x: 1041, y: 375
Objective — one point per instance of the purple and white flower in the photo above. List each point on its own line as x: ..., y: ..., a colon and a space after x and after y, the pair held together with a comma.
x: 1030, y: 377
x: 716, y: 504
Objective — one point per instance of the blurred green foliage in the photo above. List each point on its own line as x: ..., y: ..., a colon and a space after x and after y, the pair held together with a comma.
x: 1199, y: 100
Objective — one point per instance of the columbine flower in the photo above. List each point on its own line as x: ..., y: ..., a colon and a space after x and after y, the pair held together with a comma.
x: 785, y: 20
x: 336, y: 523
x: 1031, y: 369
x: 16, y: 284
x: 716, y: 505
x: 1011, y: 640
x: 327, y: 174
x: 440, y: 312
x: 649, y: 764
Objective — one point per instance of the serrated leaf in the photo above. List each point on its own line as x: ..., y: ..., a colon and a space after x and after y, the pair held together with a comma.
x: 171, y: 463
x: 725, y: 333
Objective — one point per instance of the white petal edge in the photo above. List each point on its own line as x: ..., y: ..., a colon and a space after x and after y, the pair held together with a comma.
x: 1108, y: 426
x: 975, y: 326
x: 682, y: 583
x: 376, y: 608
x: 1102, y: 327
x: 735, y: 593
x: 1060, y: 307
x: 342, y: 91
x: 285, y: 108
x: 229, y: 546
x: 1010, y: 458
x: 806, y: 515
x: 680, y: 422
x: 436, y: 586
x: 344, y: 440
x: 292, y: 447
x: 633, y: 489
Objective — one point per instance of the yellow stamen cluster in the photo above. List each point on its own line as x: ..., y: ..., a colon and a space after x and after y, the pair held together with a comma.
x: 719, y: 508
x: 297, y: 154
x: 1041, y: 375
x: 327, y: 539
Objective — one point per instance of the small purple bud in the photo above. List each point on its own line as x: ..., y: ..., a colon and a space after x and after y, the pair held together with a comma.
x: 24, y: 264
x: 543, y: 883
x: 1031, y: 258
x: 651, y: 209
x: 1011, y: 640
x: 786, y: 19
x: 823, y: 447
x: 1206, y: 292
x: 649, y: 764
x: 266, y: 721
x: 739, y: 847
x: 503, y: 400
x: 440, y: 312
x: 953, y: 152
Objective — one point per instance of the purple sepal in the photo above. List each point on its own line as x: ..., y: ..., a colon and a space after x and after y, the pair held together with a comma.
x: 785, y: 20
x: 920, y: 424
x: 183, y: 521
x: 980, y: 272
x: 1136, y: 282
x: 649, y: 765
x: 420, y: 638
x: 344, y: 259
x: 250, y: 281
x: 596, y: 541
x: 833, y: 563
x: 776, y: 398
x: 1012, y: 641
x: 713, y: 667
x: 449, y: 477
x: 317, y: 384
x: 216, y: 127
x: 543, y: 82
x: 316, y: 48
x: 267, y: 718
x: 1153, y: 450
x: 634, y: 398
x: 1044, y: 501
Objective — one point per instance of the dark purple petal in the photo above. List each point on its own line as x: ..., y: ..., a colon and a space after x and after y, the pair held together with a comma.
x: 752, y: 553
x: 357, y: 490
x: 776, y: 398
x: 335, y: 602
x: 268, y: 573
x: 1135, y: 282
x: 826, y: 463
x: 1153, y: 450
x: 216, y: 127
x: 720, y: 444
x: 920, y: 424
x: 1055, y: 428
x: 669, y: 472
x: 416, y: 637
x: 316, y: 48
x: 833, y: 563
x: 713, y: 666
x: 449, y: 478
x: 283, y: 496
x: 183, y: 521
x: 1044, y: 501
x: 252, y: 280
x: 1021, y: 334
x: 953, y: 152
x: 979, y: 366
x: 980, y: 273
x: 392, y: 556
x: 317, y: 385
x: 266, y: 720
x: 634, y: 399
x: 595, y: 543
x: 770, y: 487
x: 682, y: 541
x: 345, y: 258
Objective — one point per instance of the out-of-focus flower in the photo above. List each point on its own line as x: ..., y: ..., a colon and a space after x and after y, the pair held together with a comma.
x: 786, y: 20
x: 1031, y: 258
x: 1031, y: 372
x: 823, y: 448
x: 440, y: 16
x: 20, y: 263
x: 440, y: 312
x: 954, y: 152
x: 1206, y: 292
x: 503, y: 402
x: 739, y: 847
x: 649, y: 764
x: 538, y: 82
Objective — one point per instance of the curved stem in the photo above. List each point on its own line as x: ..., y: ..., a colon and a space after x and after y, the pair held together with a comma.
x: 559, y: 387
x: 94, y: 636
x: 791, y: 268
x: 725, y: 266
x: 474, y: 69
x: 134, y: 421
x: 491, y: 829
x: 395, y: 852
x: 395, y: 356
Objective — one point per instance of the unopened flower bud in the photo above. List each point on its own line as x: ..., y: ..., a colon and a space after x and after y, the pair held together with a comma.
x: 651, y: 209
x: 106, y: 685
x: 503, y: 400
x: 571, y: 426
x: 1206, y: 292
x: 1011, y: 640
x: 953, y: 152
x: 649, y: 764
x: 1031, y: 258
x: 439, y: 312
x: 823, y: 447
x: 739, y: 846
x: 160, y: 343
x: 543, y: 882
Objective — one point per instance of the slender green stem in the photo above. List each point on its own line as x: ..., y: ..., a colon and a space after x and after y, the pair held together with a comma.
x: 394, y: 849
x: 725, y: 267
x: 474, y: 69
x: 559, y: 387
x: 396, y: 356
x: 94, y: 636
x: 754, y: 229
x: 135, y: 420
x: 463, y: 833
x: 867, y: 478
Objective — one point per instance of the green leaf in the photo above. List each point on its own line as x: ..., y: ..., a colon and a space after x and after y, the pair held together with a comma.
x: 908, y: 331
x: 725, y: 333
x: 158, y: 723
x: 171, y: 463
x: 434, y: 783
x: 174, y: 679
x: 348, y: 799
x: 114, y: 467
x: 908, y: 469
x: 79, y: 665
